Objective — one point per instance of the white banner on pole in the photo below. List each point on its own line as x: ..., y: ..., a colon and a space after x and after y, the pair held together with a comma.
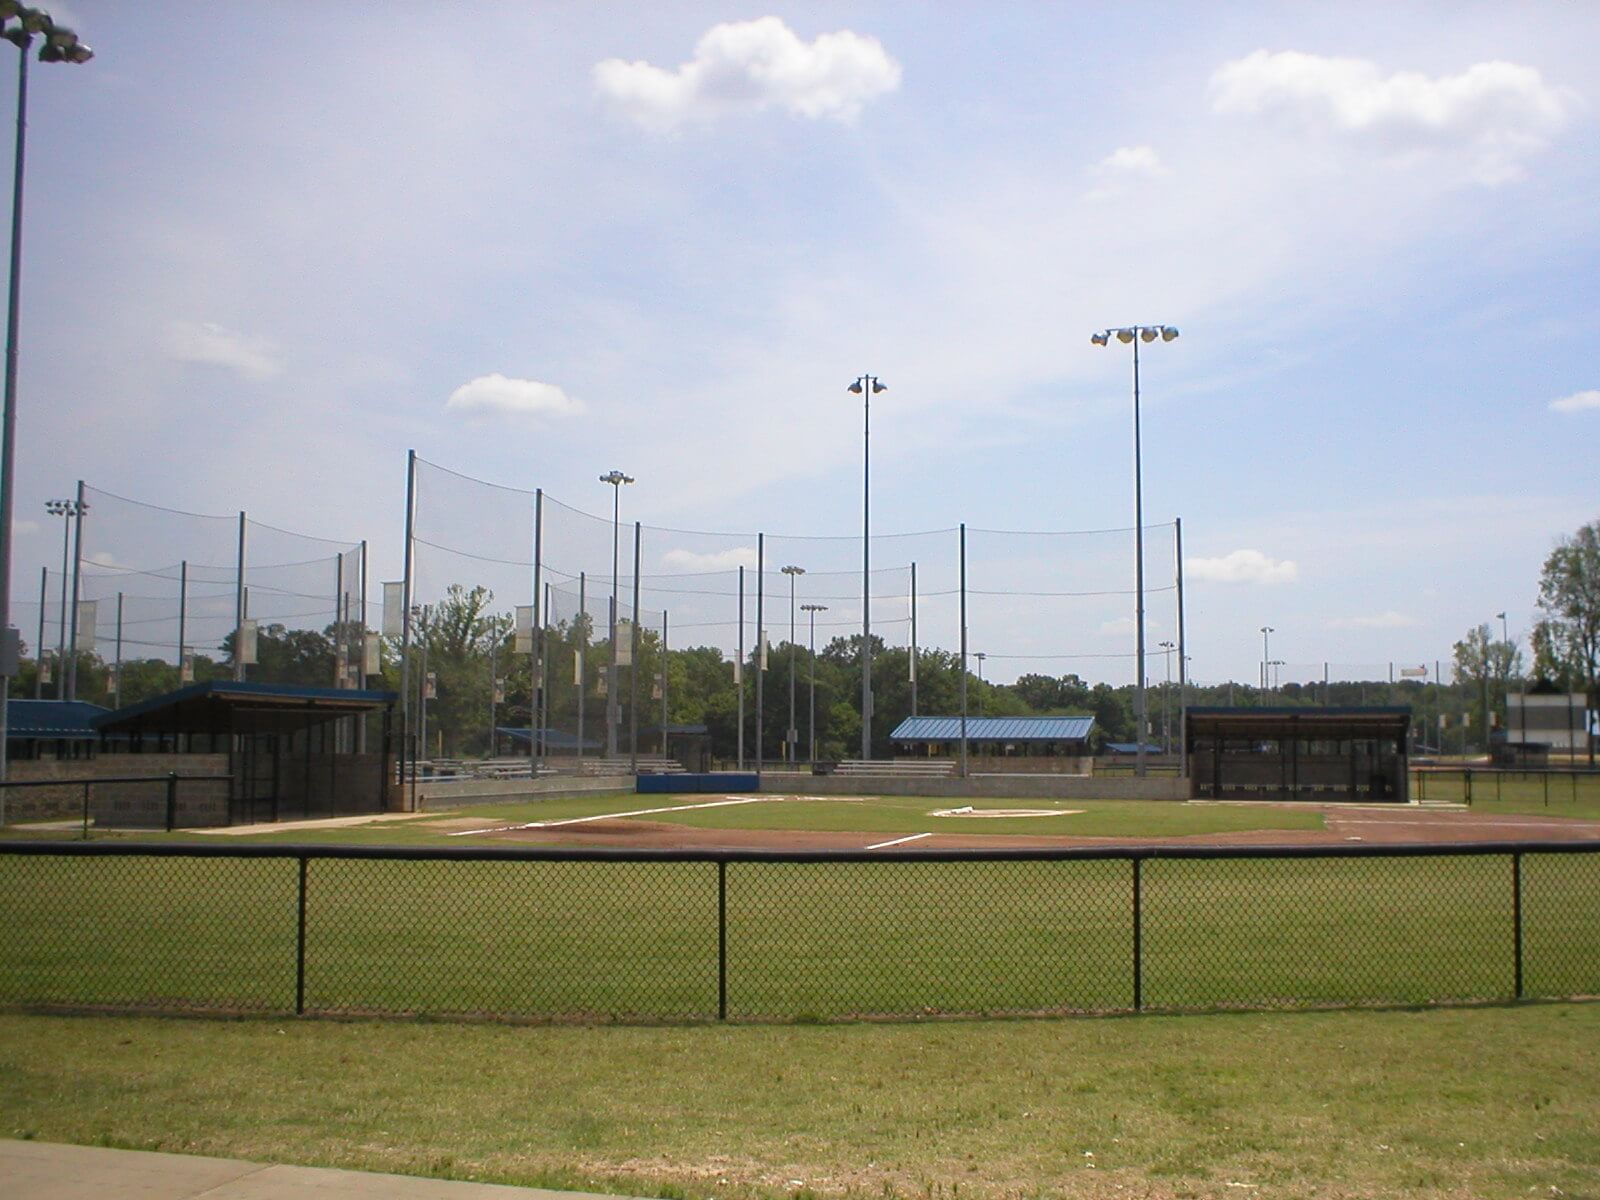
x: 394, y: 609
x: 577, y: 669
x: 1413, y: 672
x: 85, y: 632
x: 624, y: 642
x: 186, y: 670
x: 763, y: 649
x: 523, y: 643
x: 738, y: 673
x: 248, y: 641
x: 371, y: 658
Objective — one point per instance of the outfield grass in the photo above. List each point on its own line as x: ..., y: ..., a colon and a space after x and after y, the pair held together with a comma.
x: 1495, y: 1103
x: 1568, y: 795
x: 640, y: 940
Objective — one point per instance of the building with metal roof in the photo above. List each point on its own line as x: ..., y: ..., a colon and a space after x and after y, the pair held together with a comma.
x: 994, y: 729
x: 1284, y: 752
x: 64, y: 727
x: 1056, y: 745
x: 291, y: 751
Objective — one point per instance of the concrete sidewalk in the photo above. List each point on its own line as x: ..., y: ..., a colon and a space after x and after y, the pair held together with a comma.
x: 47, y: 1171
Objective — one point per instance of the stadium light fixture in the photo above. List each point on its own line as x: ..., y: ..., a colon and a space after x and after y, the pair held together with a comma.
x: 1129, y: 335
x: 61, y: 45
x: 866, y: 386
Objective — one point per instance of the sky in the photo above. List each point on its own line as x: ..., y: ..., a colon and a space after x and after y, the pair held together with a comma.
x: 270, y: 248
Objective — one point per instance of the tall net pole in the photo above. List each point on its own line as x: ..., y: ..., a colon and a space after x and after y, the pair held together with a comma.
x: 541, y: 610
x: 913, y: 639
x: 577, y: 666
x: 633, y: 662
x: 738, y: 669
x: 77, y: 584
x: 761, y: 645
x: 1183, y: 659
x: 238, y: 606
x: 963, y: 650
x: 407, y: 747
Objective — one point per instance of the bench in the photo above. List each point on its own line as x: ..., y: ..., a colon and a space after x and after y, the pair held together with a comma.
x: 931, y: 768
x: 648, y: 765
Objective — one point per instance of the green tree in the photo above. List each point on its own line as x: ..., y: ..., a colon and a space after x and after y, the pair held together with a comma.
x: 1567, y: 638
x: 1485, y: 667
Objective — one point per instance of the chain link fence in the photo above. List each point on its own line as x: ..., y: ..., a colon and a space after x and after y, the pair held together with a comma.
x: 605, y: 935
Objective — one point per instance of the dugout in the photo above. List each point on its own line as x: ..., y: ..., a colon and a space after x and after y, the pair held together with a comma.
x: 1286, y: 753
x: 291, y: 752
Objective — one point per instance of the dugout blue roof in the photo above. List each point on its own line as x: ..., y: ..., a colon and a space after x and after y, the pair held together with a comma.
x: 52, y: 719
x: 994, y: 729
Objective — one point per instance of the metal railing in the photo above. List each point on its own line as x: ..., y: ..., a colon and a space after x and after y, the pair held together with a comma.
x: 610, y: 935
x: 1547, y: 787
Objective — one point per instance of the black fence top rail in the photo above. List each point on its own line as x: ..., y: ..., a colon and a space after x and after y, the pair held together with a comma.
x: 79, y: 781
x: 608, y: 855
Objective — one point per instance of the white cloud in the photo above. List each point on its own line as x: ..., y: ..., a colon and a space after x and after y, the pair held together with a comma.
x: 1383, y: 620
x: 1242, y: 566
x: 1498, y: 112
x: 754, y: 65
x: 1577, y: 402
x: 719, y: 560
x: 1134, y: 160
x: 212, y: 345
x: 498, y: 396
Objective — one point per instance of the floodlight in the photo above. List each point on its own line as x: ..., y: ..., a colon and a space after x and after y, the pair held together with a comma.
x: 60, y: 36
x: 794, y: 570
x: 1147, y: 334
x: 1168, y: 332
x: 8, y: 9
x: 878, y: 386
x: 855, y: 387
x: 1124, y: 336
x: 1099, y: 339
x: 79, y: 53
x: 51, y: 53
x: 35, y: 20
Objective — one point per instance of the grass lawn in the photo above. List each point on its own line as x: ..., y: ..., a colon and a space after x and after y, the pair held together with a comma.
x: 889, y: 815
x: 1554, y: 796
x: 1486, y: 1103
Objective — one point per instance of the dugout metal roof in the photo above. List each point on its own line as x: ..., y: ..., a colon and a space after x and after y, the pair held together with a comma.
x: 224, y: 706
x: 50, y: 720
x: 994, y: 729
x: 1287, y: 721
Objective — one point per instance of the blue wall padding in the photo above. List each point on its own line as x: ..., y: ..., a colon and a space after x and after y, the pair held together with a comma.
x: 716, y: 781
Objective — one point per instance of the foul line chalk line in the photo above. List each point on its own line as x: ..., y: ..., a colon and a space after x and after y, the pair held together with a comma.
x: 638, y: 812
x: 899, y: 841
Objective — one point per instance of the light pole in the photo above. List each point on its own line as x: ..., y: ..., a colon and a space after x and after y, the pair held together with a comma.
x: 866, y: 386
x: 980, y: 656
x: 1166, y: 700
x: 1266, y: 656
x: 68, y: 510
x: 793, y: 737
x: 60, y: 45
x: 1132, y: 335
x: 616, y: 479
x: 813, y: 609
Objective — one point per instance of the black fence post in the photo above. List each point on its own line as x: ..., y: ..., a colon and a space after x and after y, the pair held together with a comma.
x: 300, y: 947
x: 1138, y: 939
x: 1546, y: 778
x: 1516, y: 916
x: 722, y: 940
x: 86, y: 786
x: 1469, y: 787
x: 172, y: 801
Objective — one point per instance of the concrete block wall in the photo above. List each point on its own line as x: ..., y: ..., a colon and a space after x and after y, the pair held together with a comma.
x: 123, y: 804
